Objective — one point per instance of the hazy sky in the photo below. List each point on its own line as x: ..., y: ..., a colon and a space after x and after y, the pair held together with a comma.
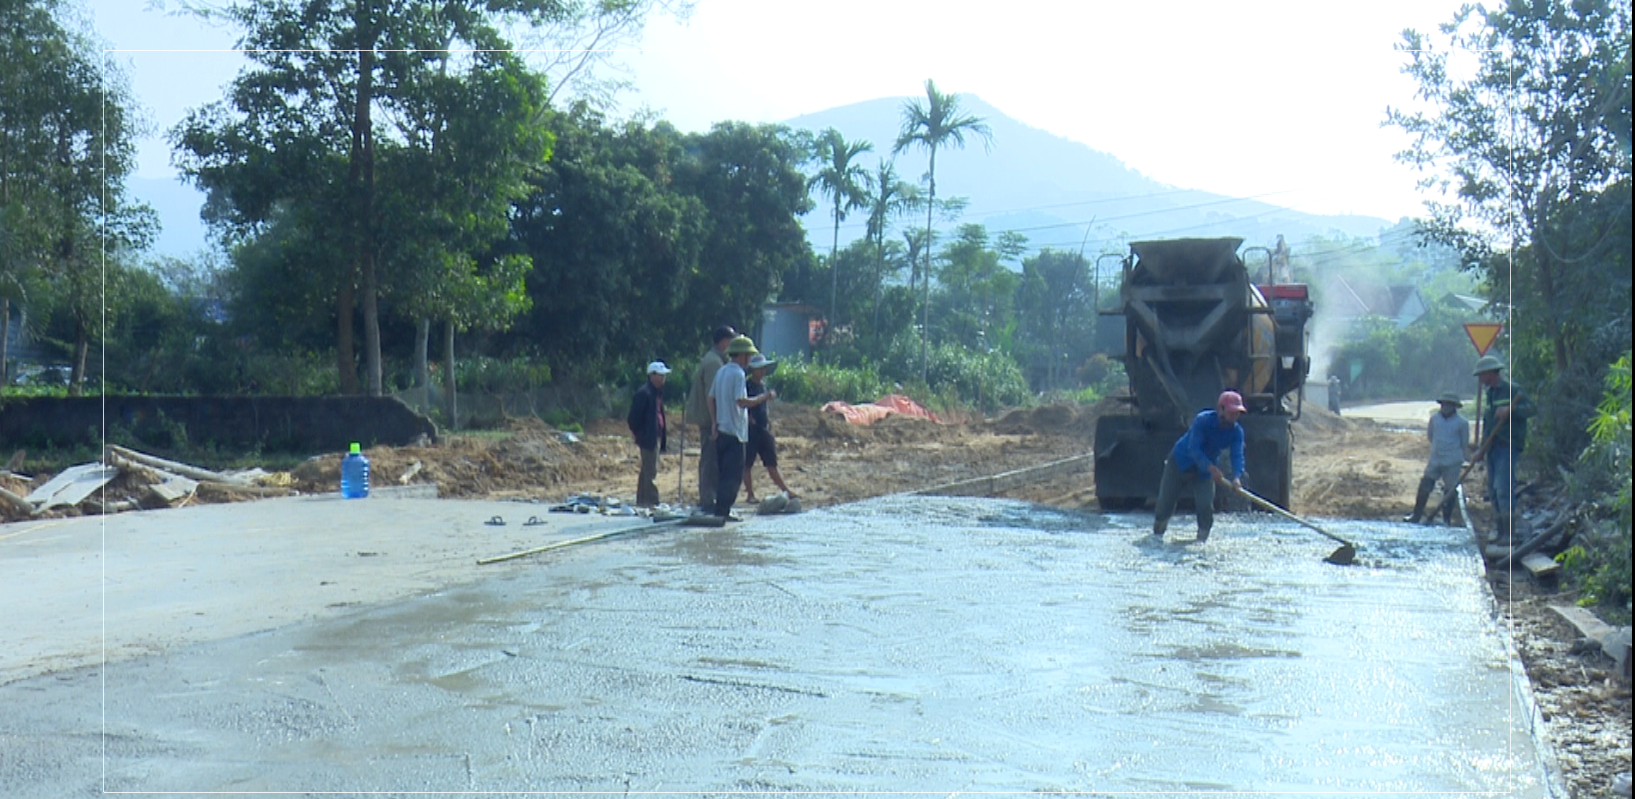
x: 1295, y: 91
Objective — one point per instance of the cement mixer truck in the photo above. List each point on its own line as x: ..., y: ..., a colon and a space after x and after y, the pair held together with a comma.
x: 1195, y: 324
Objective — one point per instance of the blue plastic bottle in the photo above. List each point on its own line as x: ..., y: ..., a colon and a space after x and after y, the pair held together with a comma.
x: 355, y: 474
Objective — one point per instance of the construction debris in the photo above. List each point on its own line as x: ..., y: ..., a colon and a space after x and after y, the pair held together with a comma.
x: 70, y: 487
x: 202, y: 475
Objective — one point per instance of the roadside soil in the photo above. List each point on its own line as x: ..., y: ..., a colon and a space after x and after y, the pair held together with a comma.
x: 1345, y: 468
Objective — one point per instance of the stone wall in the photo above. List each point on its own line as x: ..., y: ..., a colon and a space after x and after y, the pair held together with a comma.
x: 282, y: 424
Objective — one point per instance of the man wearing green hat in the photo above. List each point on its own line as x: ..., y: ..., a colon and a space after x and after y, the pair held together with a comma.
x: 1449, y: 435
x: 731, y: 402
x: 1505, y: 421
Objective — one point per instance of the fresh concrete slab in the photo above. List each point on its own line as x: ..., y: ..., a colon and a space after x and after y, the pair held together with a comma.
x: 903, y: 644
x: 153, y: 579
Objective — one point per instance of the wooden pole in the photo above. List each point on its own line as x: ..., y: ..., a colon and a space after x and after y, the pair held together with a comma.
x: 582, y: 540
x: 681, y: 457
x: 16, y: 501
x: 179, y: 468
x: 1478, y: 409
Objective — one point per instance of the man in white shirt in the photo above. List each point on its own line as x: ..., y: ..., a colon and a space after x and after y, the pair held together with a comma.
x: 730, y: 401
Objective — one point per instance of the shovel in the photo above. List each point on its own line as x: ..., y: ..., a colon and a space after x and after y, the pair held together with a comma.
x: 1344, y: 556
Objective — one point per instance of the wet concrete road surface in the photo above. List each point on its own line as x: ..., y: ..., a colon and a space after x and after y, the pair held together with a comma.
x: 901, y: 644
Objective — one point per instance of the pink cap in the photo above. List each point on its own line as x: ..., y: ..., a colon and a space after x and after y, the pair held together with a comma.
x: 1231, y: 401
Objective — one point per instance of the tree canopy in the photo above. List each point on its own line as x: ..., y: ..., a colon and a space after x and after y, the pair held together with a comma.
x: 1531, y: 157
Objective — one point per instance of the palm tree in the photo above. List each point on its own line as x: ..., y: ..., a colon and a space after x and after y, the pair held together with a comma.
x: 888, y: 198
x: 931, y: 124
x: 838, y: 180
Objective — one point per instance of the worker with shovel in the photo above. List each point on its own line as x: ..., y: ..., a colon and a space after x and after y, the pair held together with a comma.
x: 1192, y: 463
x: 1505, y: 417
x: 1449, y: 435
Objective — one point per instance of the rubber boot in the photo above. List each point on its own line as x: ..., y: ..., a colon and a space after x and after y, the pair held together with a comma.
x: 1447, y: 512
x: 1424, y: 496
x: 1502, y: 530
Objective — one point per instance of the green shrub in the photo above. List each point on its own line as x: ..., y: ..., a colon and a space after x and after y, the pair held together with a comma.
x: 562, y: 419
x: 495, y: 376
x: 1102, y: 377
x: 801, y: 381
x: 1599, y: 566
x: 295, y: 374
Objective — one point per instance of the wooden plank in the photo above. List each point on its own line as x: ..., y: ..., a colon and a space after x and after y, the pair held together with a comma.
x: 1586, y: 622
x: 416, y: 491
x: 174, y: 488
x: 691, y: 521
x: 1540, y: 565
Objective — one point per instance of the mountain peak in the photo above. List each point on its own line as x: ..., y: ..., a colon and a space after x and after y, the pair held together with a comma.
x: 1052, y: 189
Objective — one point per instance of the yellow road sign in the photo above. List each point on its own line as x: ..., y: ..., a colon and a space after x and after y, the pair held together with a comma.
x: 1482, y: 334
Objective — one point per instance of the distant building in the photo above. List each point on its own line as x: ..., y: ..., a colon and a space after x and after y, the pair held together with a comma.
x: 789, y: 329
x: 21, y: 348
x: 1348, y: 301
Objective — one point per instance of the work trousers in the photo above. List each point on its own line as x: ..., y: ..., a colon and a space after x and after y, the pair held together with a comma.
x: 1501, y: 485
x: 647, y: 489
x: 708, y: 471
x: 729, y: 454
x: 1169, y: 492
x: 1447, y: 475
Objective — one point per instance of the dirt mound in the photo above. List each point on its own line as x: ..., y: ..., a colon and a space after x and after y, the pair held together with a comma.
x: 904, y: 429
x: 1054, y: 420
x: 1317, y: 419
x: 527, y: 458
x: 797, y: 420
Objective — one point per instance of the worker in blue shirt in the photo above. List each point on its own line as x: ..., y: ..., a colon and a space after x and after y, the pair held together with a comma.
x: 1192, y: 463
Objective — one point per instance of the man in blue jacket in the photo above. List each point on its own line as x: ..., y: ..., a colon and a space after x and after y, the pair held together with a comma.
x: 646, y: 422
x: 1192, y: 463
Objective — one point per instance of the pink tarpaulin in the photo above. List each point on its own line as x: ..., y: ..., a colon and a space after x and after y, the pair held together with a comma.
x: 879, y: 409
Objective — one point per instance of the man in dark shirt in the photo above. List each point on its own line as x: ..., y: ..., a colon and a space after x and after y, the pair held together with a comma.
x: 761, y: 443
x: 1191, y: 463
x: 1505, y: 420
x: 646, y: 422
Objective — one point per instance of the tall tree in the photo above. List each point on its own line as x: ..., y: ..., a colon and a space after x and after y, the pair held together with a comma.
x: 1055, y: 305
x: 839, y: 178
x: 576, y: 49
x: 472, y: 135
x: 977, y: 292
x: 888, y: 198
x: 749, y: 179
x: 30, y: 40
x: 300, y: 128
x: 1534, y: 145
x: 67, y: 131
x: 935, y: 123
x: 612, y: 239
x: 654, y: 235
